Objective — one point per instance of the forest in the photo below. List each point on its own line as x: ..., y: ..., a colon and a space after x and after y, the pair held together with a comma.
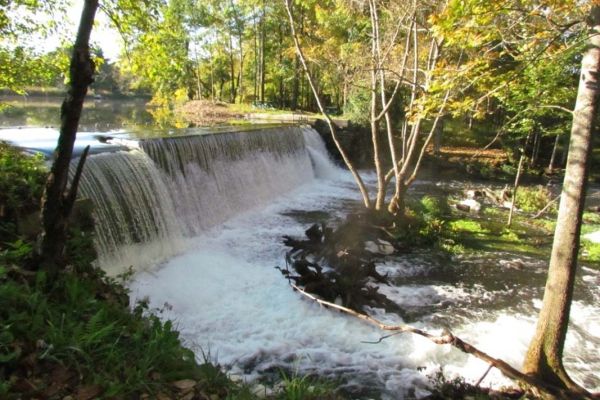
x: 300, y: 199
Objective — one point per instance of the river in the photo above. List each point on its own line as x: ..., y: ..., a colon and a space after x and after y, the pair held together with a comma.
x: 205, y: 243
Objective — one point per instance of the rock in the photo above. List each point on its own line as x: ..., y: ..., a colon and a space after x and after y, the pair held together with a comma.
x: 474, y: 194
x: 471, y: 205
x: 381, y: 247
x: 188, y: 396
x: 260, y: 391
x: 184, y: 385
x: 88, y: 392
x: 512, y: 264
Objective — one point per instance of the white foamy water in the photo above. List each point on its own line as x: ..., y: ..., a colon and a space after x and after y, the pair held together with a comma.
x: 216, y: 209
x: 227, y: 299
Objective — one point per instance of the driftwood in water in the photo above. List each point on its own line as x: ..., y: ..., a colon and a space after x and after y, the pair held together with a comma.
x: 542, y: 388
x: 336, y: 266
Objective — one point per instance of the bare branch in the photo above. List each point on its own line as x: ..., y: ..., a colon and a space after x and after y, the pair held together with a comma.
x: 448, y: 338
x: 561, y: 108
x: 361, y: 185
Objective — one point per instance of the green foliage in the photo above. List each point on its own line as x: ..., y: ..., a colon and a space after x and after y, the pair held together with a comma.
x: 424, y: 221
x: 22, y: 180
x: 591, y: 218
x: 20, y: 63
x: 64, y: 322
x: 358, y: 106
x: 466, y: 226
x: 532, y: 199
x: 297, y: 387
x: 590, y: 251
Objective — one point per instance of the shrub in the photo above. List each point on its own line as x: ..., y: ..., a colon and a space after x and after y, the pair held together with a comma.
x: 22, y: 180
x: 532, y: 199
x: 358, y: 106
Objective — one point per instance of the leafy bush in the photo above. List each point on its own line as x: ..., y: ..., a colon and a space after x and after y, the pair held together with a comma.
x: 590, y: 251
x: 532, y: 199
x: 358, y: 106
x: 22, y: 180
x: 455, y: 388
x: 591, y: 218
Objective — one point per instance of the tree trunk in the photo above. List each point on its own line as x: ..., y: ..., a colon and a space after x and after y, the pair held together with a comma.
x: 375, y: 67
x: 262, y: 54
x: 535, y: 149
x: 240, y: 86
x: 57, y: 203
x: 515, y: 189
x: 551, y: 165
x: 256, y: 73
x: 280, y: 83
x: 232, y: 69
x: 544, y: 356
x: 295, y: 85
x: 437, y: 138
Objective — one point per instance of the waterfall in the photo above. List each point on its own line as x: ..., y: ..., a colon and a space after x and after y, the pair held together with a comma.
x: 149, y: 201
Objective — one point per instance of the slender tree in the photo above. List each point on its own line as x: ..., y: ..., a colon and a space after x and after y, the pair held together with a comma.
x: 544, y: 356
x: 57, y: 202
x: 359, y: 181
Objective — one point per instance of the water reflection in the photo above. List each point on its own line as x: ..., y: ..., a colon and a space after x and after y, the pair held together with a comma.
x: 99, y: 115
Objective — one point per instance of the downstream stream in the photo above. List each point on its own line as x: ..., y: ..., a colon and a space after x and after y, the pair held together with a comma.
x: 229, y: 301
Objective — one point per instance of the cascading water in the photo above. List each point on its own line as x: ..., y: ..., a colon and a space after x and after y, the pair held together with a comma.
x: 182, y: 200
x: 151, y: 199
x: 136, y: 221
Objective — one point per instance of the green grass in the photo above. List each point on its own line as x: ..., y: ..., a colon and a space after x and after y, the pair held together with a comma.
x: 488, y: 232
x: 590, y: 251
x: 297, y: 387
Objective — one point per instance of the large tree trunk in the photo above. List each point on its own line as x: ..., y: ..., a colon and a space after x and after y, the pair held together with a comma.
x: 544, y: 356
x: 57, y: 203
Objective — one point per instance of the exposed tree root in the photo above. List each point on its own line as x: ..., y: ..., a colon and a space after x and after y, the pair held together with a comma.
x: 540, y: 388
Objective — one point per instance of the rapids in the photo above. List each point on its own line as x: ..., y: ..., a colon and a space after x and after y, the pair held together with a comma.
x: 228, y: 301
x: 200, y: 218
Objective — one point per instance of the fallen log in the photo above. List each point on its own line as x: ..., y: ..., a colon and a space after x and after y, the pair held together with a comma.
x: 539, y: 387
